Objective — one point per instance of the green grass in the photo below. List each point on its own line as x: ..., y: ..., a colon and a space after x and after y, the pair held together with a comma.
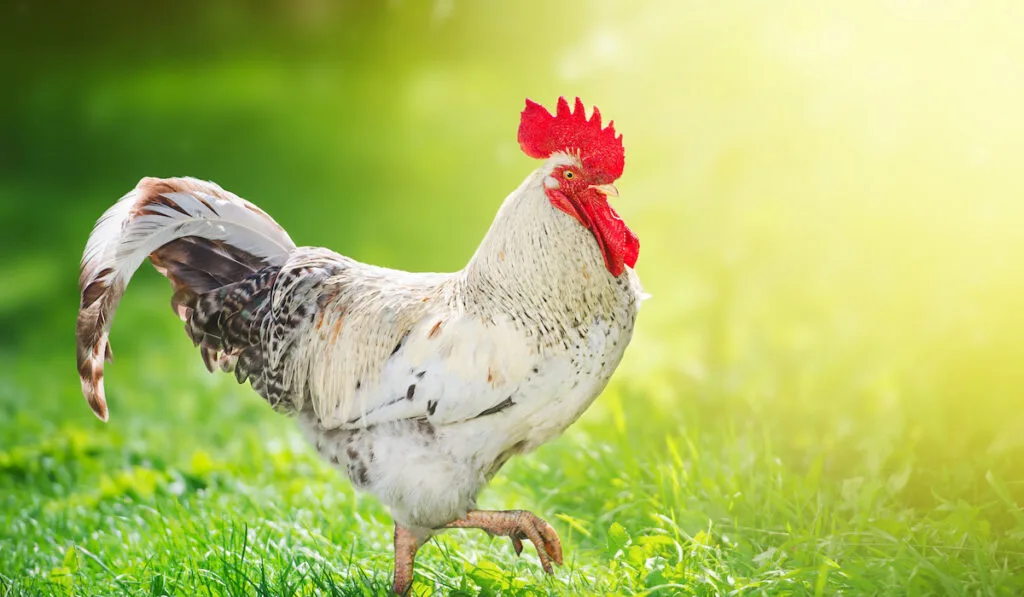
x: 666, y: 487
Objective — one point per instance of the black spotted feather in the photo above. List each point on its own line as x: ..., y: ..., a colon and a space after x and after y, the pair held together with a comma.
x: 230, y: 324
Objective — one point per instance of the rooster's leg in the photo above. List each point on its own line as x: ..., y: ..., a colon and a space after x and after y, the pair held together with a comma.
x: 519, y: 525
x: 406, y: 545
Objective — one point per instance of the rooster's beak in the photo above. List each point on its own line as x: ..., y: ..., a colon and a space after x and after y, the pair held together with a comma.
x: 607, y: 190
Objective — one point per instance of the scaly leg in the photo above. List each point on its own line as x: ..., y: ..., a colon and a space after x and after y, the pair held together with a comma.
x: 519, y: 525
x: 406, y: 545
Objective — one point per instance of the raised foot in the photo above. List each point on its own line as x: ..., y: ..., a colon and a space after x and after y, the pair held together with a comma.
x: 518, y: 525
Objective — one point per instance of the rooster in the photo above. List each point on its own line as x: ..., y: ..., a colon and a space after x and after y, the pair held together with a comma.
x: 419, y: 386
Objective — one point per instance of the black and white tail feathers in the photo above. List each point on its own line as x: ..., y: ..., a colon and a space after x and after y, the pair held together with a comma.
x: 220, y: 252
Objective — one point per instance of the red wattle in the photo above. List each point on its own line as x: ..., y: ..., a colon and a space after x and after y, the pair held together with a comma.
x: 618, y: 244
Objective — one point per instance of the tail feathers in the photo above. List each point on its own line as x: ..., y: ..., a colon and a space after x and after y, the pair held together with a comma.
x: 196, y: 234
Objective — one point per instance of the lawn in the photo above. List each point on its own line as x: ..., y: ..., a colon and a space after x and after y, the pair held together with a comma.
x: 667, y: 486
x: 823, y: 396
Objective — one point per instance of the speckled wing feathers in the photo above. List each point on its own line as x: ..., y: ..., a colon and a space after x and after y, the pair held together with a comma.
x: 226, y: 324
x: 356, y: 317
x: 360, y: 345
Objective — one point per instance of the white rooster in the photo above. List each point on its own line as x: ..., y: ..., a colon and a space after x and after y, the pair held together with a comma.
x: 419, y: 386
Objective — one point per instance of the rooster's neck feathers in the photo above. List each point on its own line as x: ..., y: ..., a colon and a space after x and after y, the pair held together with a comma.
x: 537, y: 259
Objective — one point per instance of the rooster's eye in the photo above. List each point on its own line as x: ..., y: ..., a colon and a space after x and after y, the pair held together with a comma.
x: 568, y: 174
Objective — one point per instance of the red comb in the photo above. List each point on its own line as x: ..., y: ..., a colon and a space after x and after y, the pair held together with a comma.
x: 541, y: 134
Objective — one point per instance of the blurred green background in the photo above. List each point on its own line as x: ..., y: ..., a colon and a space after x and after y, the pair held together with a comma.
x: 828, y: 198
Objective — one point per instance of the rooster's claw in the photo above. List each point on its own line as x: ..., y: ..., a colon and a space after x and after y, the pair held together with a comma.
x: 519, y: 525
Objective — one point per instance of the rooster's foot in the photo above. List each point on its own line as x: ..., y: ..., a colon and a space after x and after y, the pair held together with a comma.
x: 519, y: 525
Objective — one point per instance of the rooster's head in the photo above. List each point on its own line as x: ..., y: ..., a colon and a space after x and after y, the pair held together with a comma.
x: 588, y: 160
